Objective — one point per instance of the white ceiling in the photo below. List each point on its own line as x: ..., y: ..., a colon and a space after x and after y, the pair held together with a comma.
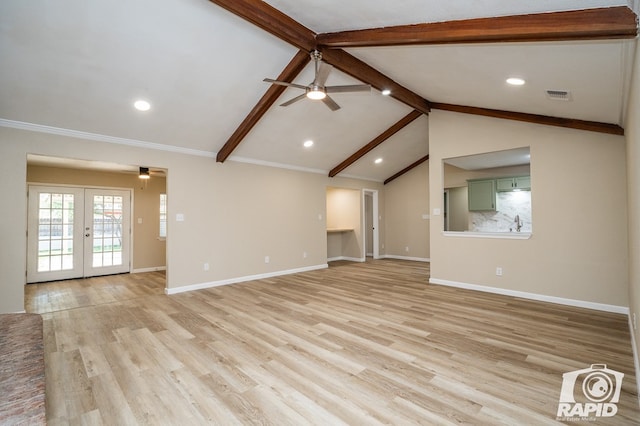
x: 490, y: 160
x: 80, y: 64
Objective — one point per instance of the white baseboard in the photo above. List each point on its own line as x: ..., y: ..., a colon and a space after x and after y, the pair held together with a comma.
x: 152, y: 269
x: 534, y: 296
x: 415, y: 259
x: 350, y: 259
x: 636, y: 360
x: 211, y: 284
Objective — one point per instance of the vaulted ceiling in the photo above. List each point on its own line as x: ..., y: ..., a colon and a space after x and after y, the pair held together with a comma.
x: 79, y: 66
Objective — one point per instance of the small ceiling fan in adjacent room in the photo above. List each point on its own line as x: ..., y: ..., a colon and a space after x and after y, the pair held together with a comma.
x: 317, y: 89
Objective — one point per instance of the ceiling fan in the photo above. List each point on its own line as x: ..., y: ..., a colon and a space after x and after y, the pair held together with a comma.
x: 317, y: 90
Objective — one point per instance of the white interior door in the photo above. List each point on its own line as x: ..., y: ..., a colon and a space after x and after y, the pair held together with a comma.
x: 373, y: 218
x: 77, y: 232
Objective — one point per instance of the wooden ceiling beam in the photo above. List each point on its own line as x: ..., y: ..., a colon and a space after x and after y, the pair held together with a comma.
x: 295, y: 66
x: 589, y: 24
x: 377, y: 141
x: 287, y: 29
x: 406, y: 169
x: 353, y: 66
x: 571, y: 123
x: 270, y: 19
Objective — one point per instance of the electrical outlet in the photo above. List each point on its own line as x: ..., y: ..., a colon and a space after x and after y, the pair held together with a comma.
x: 304, y: 254
x: 266, y: 259
x: 206, y: 266
x: 499, y: 271
x: 406, y: 249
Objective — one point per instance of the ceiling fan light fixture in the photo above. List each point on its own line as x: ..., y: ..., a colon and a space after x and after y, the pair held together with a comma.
x: 316, y: 94
x: 144, y: 173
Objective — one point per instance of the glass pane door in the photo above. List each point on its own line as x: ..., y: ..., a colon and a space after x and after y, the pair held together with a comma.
x: 107, y: 219
x: 77, y: 232
x: 54, y: 241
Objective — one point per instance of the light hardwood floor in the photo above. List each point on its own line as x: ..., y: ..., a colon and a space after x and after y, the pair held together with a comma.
x: 352, y: 344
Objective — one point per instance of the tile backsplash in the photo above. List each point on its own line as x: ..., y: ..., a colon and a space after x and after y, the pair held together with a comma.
x: 509, y: 204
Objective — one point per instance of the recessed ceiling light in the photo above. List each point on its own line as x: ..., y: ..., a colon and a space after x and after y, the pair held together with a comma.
x: 378, y: 160
x: 142, y: 105
x: 386, y: 92
x: 515, y: 81
x: 308, y: 144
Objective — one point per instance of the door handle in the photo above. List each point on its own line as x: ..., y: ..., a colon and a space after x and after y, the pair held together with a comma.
x: 86, y: 235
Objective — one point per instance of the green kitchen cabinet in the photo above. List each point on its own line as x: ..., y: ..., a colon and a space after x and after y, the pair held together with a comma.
x: 482, y: 194
x: 513, y: 183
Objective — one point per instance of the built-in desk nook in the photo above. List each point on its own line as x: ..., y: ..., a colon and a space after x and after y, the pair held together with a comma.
x: 338, y: 230
x: 344, y: 224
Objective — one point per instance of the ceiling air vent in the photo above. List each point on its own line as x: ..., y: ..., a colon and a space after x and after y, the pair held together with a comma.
x: 559, y: 95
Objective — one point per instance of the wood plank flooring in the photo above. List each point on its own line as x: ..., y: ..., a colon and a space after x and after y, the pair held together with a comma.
x: 355, y: 344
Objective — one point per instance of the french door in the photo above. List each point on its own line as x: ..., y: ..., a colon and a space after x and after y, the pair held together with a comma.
x: 77, y: 232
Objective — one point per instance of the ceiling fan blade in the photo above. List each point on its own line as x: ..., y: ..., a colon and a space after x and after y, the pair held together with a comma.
x: 284, y: 83
x: 323, y: 73
x: 296, y: 99
x: 331, y: 103
x: 348, y: 88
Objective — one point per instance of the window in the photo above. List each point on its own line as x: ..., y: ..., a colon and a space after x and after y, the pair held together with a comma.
x: 163, y: 215
x: 488, y: 193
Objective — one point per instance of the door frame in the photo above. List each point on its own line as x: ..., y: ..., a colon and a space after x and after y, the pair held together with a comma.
x: 375, y: 222
x: 83, y: 187
x: 125, y: 267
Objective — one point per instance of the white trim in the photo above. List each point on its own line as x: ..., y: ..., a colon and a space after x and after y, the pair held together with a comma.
x: 211, y: 284
x: 350, y: 259
x: 534, y: 296
x: 152, y: 269
x: 64, y: 185
x: 78, y: 134
x: 498, y: 235
x: 415, y: 259
x: 102, y: 138
x: 636, y: 361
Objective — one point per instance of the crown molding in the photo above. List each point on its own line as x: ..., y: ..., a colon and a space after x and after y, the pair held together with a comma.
x: 40, y: 128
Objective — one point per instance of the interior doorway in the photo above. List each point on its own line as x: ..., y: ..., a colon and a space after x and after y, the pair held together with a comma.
x: 76, y: 232
x: 371, y: 236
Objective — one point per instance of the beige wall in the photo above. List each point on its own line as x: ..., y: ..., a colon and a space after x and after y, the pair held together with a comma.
x: 149, y: 252
x: 406, y: 201
x: 235, y: 214
x: 632, y: 131
x: 578, y: 249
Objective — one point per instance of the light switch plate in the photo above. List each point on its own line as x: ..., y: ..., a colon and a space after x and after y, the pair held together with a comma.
x: 436, y: 211
x: 179, y: 217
